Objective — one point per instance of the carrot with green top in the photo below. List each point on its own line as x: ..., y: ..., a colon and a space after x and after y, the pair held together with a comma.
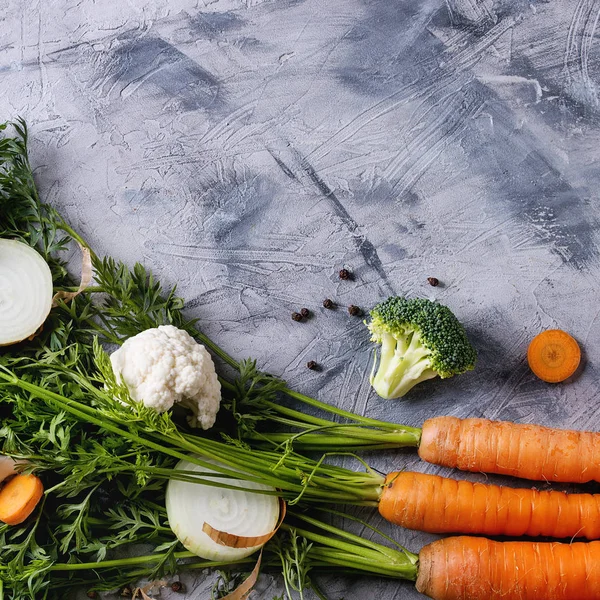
x: 479, y: 445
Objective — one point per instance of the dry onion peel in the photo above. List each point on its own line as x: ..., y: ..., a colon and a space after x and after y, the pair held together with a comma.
x: 242, y: 591
x: 8, y: 466
x: 245, y: 514
x: 143, y: 591
x: 25, y: 291
x: 86, y: 278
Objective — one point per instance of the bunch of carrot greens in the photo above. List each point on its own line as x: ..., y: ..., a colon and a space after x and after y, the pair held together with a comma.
x: 68, y: 420
x: 62, y: 421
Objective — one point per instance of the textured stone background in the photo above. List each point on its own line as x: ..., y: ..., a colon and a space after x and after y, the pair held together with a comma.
x: 247, y: 149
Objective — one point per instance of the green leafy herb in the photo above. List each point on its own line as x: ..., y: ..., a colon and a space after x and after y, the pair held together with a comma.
x: 63, y: 411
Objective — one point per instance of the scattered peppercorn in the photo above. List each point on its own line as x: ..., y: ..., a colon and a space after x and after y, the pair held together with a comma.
x: 312, y: 365
x: 433, y: 281
x: 328, y: 303
x: 177, y: 586
x: 296, y: 316
x: 125, y: 592
x: 354, y: 310
x: 345, y: 274
x: 92, y: 594
x: 305, y: 312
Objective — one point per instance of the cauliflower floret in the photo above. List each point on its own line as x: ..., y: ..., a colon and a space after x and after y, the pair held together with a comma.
x: 166, y: 366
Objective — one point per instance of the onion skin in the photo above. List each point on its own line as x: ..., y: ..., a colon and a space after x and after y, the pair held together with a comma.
x: 7, y: 467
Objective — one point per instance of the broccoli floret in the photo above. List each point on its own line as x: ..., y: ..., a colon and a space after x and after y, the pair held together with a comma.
x: 419, y: 340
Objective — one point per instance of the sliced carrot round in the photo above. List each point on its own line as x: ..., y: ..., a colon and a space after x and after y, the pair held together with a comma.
x: 19, y: 497
x: 553, y: 355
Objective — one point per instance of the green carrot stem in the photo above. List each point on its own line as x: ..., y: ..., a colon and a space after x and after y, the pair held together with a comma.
x: 356, y: 539
x: 380, y: 554
x: 121, y: 562
x: 82, y: 412
x: 334, y: 557
x: 262, y: 472
x: 412, y: 437
x: 340, y: 436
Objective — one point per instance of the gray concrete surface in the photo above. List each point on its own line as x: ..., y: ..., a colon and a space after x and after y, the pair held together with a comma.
x: 248, y: 149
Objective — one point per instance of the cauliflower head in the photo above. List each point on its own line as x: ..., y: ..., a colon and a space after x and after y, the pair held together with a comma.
x: 165, y: 366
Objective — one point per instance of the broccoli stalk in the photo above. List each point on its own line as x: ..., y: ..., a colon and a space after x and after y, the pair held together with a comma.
x: 419, y: 340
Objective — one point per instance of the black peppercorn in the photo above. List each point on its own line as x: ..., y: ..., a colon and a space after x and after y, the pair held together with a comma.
x: 312, y: 365
x: 177, y: 586
x: 304, y: 312
x: 92, y: 594
x: 354, y: 310
x: 328, y: 303
x: 345, y: 274
x: 433, y: 281
x: 296, y: 316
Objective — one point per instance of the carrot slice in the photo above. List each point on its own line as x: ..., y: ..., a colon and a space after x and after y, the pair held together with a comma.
x: 553, y: 355
x: 19, y: 497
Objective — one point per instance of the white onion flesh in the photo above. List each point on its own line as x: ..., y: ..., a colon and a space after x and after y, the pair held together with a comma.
x: 243, y: 513
x: 25, y: 291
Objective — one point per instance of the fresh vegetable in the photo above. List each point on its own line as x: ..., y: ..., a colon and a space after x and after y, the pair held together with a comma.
x: 164, y: 366
x: 471, y: 568
x: 19, y: 497
x: 298, y: 478
x: 419, y: 340
x: 525, y: 451
x: 457, y: 568
x: 442, y: 505
x: 25, y: 291
x: 479, y: 445
x: 58, y: 409
x: 295, y: 476
x: 219, y: 523
x: 464, y: 568
x: 305, y: 546
x: 553, y: 355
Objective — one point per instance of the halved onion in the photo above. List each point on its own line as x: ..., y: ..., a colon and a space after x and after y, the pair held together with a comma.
x: 217, y: 523
x: 25, y: 291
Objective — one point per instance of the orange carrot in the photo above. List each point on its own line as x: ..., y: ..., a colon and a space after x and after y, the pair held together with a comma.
x: 441, y: 505
x: 526, y: 451
x: 465, y: 568
x: 19, y: 497
x: 553, y: 355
